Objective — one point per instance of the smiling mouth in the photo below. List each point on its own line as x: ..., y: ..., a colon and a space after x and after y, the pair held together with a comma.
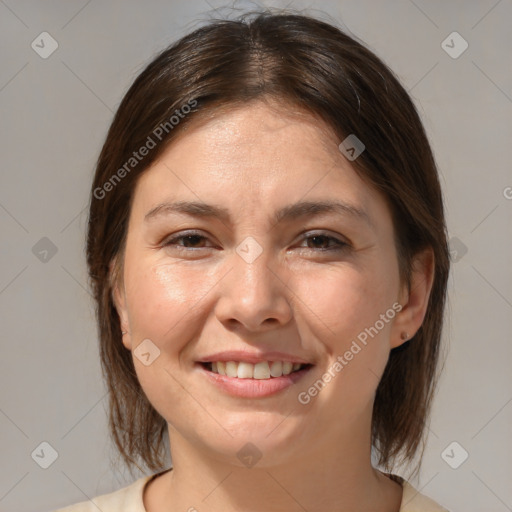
x: 258, y: 371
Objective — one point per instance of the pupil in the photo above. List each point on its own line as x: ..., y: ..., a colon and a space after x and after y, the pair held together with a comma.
x: 321, y: 237
x: 193, y: 237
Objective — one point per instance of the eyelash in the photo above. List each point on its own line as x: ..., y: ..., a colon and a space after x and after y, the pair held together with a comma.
x: 339, y: 245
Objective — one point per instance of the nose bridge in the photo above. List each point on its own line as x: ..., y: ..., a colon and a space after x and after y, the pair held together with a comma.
x: 252, y: 266
x: 253, y: 293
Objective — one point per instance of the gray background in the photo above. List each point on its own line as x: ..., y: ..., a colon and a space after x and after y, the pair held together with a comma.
x: 55, y: 113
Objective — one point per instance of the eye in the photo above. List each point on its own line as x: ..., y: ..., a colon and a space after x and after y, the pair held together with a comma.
x: 324, y: 242
x: 191, y: 240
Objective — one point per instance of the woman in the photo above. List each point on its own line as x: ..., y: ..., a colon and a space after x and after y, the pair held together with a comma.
x: 267, y: 249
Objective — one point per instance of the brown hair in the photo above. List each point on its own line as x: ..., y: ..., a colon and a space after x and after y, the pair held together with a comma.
x: 310, y: 64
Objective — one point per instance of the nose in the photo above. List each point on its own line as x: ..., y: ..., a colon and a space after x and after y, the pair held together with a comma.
x: 254, y: 294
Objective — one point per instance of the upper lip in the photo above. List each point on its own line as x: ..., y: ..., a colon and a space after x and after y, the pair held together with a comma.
x: 251, y: 357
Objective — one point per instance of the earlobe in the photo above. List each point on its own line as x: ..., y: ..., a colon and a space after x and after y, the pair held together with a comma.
x: 415, y: 300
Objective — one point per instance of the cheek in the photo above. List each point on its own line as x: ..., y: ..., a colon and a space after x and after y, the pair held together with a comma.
x: 344, y: 309
x: 162, y: 299
x: 164, y: 302
x: 342, y: 302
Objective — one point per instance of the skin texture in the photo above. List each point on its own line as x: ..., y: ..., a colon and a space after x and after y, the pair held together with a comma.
x: 197, y: 297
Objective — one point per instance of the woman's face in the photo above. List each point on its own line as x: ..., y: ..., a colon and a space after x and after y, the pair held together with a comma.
x: 317, y: 285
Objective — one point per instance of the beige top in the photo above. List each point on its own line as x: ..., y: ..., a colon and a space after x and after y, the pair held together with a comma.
x: 129, y: 499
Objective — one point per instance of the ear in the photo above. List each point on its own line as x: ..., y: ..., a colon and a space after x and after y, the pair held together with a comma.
x: 414, y: 300
x: 119, y: 299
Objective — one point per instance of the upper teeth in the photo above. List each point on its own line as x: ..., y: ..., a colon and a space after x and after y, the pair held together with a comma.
x: 263, y: 370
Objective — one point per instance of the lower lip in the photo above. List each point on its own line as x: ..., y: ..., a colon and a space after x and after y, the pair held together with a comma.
x: 254, y: 388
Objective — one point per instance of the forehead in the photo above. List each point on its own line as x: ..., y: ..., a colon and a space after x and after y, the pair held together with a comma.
x: 258, y: 156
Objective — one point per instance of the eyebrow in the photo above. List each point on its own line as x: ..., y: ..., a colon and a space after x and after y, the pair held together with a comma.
x: 289, y: 212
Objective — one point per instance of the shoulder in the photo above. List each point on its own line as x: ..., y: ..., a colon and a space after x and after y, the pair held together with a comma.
x: 126, y: 499
x: 414, y: 501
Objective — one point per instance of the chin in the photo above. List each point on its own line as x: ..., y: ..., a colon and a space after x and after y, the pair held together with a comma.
x: 268, y: 437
